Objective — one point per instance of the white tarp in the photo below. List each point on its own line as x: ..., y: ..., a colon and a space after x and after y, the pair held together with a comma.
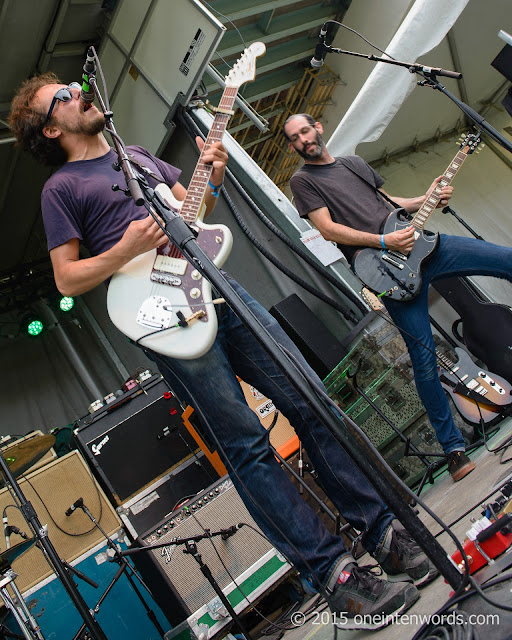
x: 426, y: 24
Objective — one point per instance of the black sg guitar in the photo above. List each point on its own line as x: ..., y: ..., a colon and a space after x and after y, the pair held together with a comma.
x: 394, y: 274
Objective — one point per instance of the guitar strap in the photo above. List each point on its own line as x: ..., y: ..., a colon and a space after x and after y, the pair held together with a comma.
x: 376, y: 189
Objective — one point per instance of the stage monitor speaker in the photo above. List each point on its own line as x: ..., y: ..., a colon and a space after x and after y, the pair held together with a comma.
x: 140, y: 439
x: 245, y: 558
x: 51, y: 490
x: 321, y: 349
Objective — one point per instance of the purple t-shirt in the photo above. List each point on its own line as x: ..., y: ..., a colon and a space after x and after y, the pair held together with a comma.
x: 78, y: 202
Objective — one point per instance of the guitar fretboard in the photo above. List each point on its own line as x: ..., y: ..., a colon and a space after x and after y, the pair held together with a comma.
x: 426, y: 209
x: 198, y: 184
x: 193, y: 201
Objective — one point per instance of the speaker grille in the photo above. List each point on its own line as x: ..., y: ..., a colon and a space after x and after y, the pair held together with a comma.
x: 51, y: 490
x: 223, y: 509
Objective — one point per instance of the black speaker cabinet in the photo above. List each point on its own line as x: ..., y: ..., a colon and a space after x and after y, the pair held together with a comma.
x: 136, y: 440
x: 321, y: 349
x: 244, y: 565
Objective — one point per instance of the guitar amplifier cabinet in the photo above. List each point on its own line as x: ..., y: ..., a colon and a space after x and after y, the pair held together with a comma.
x: 245, y: 565
x: 52, y: 489
x: 136, y: 440
x: 163, y: 496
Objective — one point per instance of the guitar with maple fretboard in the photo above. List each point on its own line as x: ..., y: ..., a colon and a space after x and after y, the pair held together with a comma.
x: 394, y: 274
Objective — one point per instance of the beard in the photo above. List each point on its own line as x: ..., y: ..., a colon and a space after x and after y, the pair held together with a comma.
x: 90, y: 127
x: 314, y: 155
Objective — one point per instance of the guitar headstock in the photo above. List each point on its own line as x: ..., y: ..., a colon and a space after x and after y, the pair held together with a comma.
x: 245, y: 67
x: 470, y: 142
x: 372, y: 300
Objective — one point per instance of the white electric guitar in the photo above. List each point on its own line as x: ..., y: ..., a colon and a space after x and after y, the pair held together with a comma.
x: 158, y: 299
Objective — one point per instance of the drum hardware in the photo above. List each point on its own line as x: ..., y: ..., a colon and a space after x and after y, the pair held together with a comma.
x: 14, y: 461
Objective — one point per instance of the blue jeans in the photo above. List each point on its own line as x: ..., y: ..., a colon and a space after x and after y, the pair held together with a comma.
x: 209, y: 384
x: 455, y: 256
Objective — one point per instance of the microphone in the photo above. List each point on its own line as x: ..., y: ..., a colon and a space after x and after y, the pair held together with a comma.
x: 13, y: 529
x: 7, y: 532
x: 87, y: 92
x: 318, y: 59
x: 76, y: 505
x: 230, y: 531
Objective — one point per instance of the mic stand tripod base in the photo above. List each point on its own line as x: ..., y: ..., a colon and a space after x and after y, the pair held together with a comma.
x: 191, y: 548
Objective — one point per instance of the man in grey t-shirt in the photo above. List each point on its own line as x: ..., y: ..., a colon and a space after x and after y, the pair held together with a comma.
x: 340, y: 196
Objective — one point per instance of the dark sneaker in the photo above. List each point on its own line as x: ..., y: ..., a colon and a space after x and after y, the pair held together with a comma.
x: 361, y: 601
x: 459, y: 465
x: 403, y: 559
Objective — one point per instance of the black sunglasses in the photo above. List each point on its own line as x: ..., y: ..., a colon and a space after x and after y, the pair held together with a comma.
x: 64, y: 95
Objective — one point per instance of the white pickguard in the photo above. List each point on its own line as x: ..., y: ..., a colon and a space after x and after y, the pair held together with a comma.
x: 139, y: 307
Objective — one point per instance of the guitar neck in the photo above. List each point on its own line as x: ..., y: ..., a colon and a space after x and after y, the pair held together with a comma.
x: 430, y: 204
x: 191, y: 207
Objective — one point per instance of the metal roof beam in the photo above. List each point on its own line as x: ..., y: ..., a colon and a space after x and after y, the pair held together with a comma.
x: 284, y: 26
x: 233, y: 11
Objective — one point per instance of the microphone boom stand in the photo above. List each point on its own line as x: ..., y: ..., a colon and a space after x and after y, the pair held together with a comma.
x: 191, y: 548
x: 429, y: 74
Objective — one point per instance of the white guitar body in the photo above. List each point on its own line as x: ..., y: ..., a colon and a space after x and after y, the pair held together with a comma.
x: 146, y: 310
x: 158, y: 299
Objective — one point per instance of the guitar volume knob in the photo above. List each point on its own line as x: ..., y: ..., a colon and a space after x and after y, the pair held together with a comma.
x: 195, y: 293
x: 195, y: 275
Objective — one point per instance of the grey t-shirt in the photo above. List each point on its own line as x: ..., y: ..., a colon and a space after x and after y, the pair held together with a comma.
x: 350, y: 199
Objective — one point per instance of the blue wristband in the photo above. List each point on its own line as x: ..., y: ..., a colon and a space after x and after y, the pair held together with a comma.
x: 215, y: 189
x: 382, y: 241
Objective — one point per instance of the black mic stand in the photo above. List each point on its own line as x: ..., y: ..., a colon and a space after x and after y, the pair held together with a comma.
x: 354, y: 442
x: 124, y: 565
x: 191, y: 548
x: 448, y: 209
x: 430, y: 80
x: 49, y: 551
x: 410, y: 448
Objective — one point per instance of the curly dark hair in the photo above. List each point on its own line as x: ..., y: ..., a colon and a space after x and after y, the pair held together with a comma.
x: 27, y: 122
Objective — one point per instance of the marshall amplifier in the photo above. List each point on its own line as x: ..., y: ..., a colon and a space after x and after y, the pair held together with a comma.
x: 136, y: 439
x: 244, y: 565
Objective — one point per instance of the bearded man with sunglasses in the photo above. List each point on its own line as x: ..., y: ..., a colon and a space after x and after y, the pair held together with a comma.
x: 78, y: 205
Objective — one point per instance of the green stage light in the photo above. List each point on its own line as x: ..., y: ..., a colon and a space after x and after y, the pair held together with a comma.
x: 35, y: 327
x: 66, y: 303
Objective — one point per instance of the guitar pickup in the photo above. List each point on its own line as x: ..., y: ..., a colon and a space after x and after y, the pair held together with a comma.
x: 387, y: 258
x: 397, y: 254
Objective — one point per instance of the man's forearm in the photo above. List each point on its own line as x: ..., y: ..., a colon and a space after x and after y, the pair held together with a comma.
x: 75, y: 277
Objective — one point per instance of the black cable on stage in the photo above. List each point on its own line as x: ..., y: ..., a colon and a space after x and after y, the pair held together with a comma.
x: 193, y: 129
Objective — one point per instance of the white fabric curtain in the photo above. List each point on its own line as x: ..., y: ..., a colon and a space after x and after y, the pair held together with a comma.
x: 426, y: 24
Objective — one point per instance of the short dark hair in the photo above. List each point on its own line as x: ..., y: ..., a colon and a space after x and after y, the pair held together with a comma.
x: 27, y: 122
x: 308, y: 117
